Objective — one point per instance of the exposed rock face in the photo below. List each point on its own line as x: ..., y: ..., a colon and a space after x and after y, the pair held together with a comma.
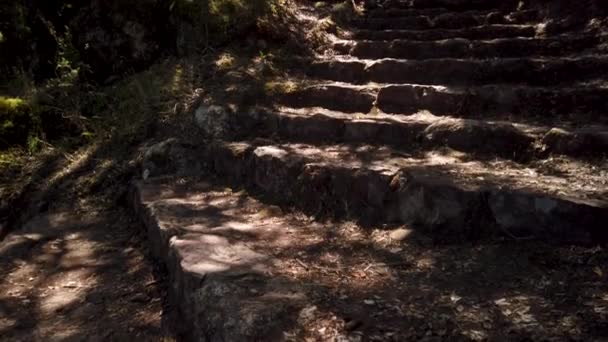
x: 215, y: 121
x: 170, y: 157
x: 582, y: 142
x: 469, y: 135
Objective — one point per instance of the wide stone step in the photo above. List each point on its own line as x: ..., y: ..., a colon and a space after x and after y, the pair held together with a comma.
x: 442, y: 193
x: 404, y: 12
x: 494, y: 15
x: 454, y: 5
x: 463, y: 48
x: 450, y: 71
x: 244, y: 270
x: 344, y: 98
x: 478, y: 32
x: 583, y: 103
x: 442, y: 21
x: 485, y: 138
x: 445, y: 20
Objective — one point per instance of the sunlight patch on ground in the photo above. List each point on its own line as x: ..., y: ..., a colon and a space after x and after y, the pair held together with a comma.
x: 225, y: 61
x: 76, y: 161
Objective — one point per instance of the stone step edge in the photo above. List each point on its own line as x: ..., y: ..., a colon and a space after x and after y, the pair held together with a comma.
x: 441, y: 207
x: 404, y: 13
x: 483, y: 32
x: 583, y: 102
x: 388, y: 70
x: 187, y: 277
x: 459, y: 47
x: 496, y: 138
x: 439, y: 20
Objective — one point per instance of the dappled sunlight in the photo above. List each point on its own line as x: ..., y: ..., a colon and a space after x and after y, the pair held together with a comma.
x: 340, y: 171
x: 225, y: 61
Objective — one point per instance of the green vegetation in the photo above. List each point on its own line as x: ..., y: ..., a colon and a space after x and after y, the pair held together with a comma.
x: 18, y: 126
x: 344, y: 11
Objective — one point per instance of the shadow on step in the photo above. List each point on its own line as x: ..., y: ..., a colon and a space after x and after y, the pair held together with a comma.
x: 288, y: 276
x: 452, y: 200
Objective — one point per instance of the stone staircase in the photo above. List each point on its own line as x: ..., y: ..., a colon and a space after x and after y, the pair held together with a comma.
x: 458, y: 120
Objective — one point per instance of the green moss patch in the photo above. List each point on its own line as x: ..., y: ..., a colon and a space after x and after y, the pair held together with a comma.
x: 17, y: 123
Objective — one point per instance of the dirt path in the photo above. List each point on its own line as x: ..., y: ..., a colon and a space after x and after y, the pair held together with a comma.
x: 79, y: 275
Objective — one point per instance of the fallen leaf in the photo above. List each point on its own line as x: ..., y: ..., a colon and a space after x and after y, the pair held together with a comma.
x: 501, y: 302
x: 598, y: 271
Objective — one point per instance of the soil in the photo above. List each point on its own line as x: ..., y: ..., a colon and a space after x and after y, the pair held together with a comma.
x: 74, y: 263
x: 80, y: 275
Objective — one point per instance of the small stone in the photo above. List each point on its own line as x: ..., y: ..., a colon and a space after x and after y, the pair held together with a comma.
x: 308, y: 313
x: 352, y: 324
x: 501, y: 301
x: 139, y: 298
x: 400, y: 234
x: 454, y: 298
x: 369, y: 302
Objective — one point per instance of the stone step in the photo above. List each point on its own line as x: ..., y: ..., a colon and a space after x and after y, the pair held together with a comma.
x: 343, y: 97
x: 424, y: 22
x: 404, y: 12
x: 437, y: 192
x: 478, y: 32
x: 445, y: 20
x: 244, y: 270
x: 580, y: 103
x: 450, y: 71
x: 493, y: 15
x: 463, y: 48
x: 585, y: 104
x: 225, y: 283
x: 452, y: 5
x: 505, y: 139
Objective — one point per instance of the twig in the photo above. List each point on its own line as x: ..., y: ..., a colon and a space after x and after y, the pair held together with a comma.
x: 302, y: 264
x: 385, y: 264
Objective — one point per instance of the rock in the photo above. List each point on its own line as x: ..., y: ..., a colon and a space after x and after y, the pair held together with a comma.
x: 215, y: 121
x: 582, y: 142
x: 169, y: 157
x: 436, y: 204
x: 352, y: 325
x: 495, y: 18
x: 523, y: 214
x: 140, y: 298
x: 477, y: 136
x: 400, y: 234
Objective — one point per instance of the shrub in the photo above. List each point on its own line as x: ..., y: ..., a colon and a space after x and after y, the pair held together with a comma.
x: 18, y: 126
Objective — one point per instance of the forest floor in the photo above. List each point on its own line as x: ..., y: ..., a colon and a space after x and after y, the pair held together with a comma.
x: 77, y: 269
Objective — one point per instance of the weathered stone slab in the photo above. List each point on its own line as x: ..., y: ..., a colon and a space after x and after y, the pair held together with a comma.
x: 440, y: 193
